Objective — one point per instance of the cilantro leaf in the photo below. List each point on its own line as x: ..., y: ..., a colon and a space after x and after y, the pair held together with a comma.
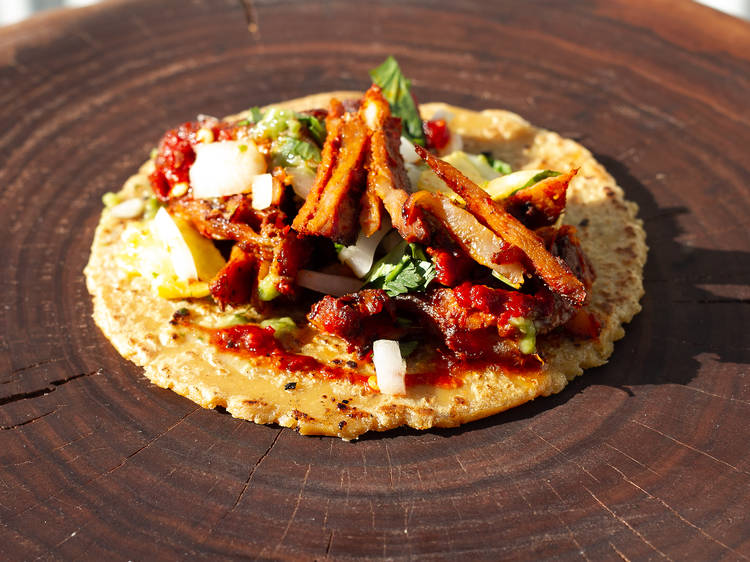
x: 404, y: 269
x: 316, y: 127
x: 396, y: 90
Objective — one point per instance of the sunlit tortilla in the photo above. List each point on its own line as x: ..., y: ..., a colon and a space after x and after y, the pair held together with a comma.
x: 136, y: 320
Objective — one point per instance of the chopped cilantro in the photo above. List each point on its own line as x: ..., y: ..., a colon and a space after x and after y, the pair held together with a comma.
x: 316, y: 127
x: 281, y: 326
x: 404, y: 269
x: 396, y: 90
x: 256, y: 114
x: 152, y: 206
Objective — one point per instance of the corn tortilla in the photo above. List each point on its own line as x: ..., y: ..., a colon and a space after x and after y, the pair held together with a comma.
x: 136, y: 320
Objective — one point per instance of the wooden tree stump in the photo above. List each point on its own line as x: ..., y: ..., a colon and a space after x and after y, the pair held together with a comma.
x: 645, y: 458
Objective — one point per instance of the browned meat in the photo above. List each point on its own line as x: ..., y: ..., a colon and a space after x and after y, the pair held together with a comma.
x: 234, y: 284
x: 469, y: 329
x: 291, y: 254
x: 541, y: 204
x: 552, y: 270
x: 564, y: 243
x: 213, y: 222
x: 584, y: 325
x: 475, y: 239
x: 332, y: 207
x: 452, y: 265
x: 371, y: 214
x: 359, y: 318
x: 386, y: 175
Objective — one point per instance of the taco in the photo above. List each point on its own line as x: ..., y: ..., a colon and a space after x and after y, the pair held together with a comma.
x: 348, y: 262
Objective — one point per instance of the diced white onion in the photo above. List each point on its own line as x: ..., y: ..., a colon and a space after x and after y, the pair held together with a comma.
x: 407, y: 151
x: 166, y: 230
x: 128, y: 209
x: 360, y: 256
x: 262, y: 191
x: 390, y: 367
x: 302, y: 178
x: 225, y: 168
x: 336, y: 285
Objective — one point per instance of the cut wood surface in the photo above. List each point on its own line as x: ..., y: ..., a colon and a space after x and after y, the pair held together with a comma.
x: 645, y: 458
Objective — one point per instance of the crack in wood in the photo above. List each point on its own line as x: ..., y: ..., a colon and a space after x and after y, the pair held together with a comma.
x: 567, y: 527
x: 711, y: 301
x: 32, y: 420
x: 624, y: 522
x: 701, y: 391
x: 564, y: 455
x: 390, y: 467
x: 251, y: 17
x: 296, y: 508
x: 32, y: 366
x: 47, y: 389
x: 620, y: 554
x: 147, y: 445
x: 107, y: 473
x: 633, y: 459
x: 688, y: 446
x: 246, y: 485
x: 675, y: 512
x: 330, y: 542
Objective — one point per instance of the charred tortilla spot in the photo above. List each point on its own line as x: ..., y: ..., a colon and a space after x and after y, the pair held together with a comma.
x: 298, y: 415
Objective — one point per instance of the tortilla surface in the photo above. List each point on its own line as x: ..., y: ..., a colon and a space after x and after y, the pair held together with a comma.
x: 136, y: 320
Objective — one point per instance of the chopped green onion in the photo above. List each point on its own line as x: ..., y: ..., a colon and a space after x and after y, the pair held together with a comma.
x: 281, y: 326
x: 527, y: 342
x: 151, y: 207
x: 267, y: 290
x: 110, y: 199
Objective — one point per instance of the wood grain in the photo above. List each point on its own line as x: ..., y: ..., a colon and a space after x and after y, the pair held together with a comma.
x: 645, y: 458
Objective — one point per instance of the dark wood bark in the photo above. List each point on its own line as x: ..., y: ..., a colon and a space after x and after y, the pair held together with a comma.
x: 645, y: 458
